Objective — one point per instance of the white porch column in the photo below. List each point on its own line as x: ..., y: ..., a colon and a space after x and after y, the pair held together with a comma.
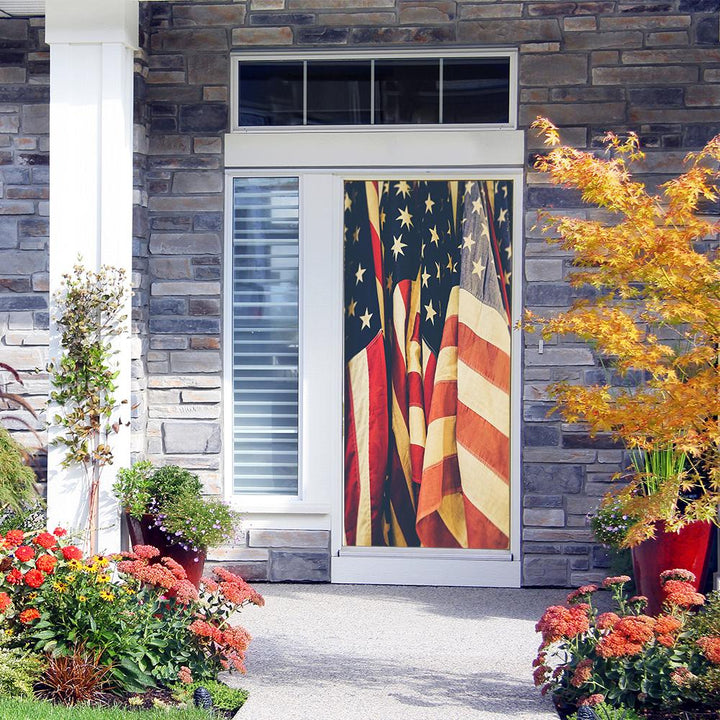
x: 91, y: 110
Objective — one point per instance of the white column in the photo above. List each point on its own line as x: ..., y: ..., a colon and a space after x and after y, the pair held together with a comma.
x: 91, y: 149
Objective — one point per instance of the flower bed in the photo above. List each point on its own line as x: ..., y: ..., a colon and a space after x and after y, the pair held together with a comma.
x: 114, y: 625
x: 664, y: 666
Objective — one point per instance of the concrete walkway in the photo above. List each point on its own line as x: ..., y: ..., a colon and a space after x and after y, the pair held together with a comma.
x: 350, y: 652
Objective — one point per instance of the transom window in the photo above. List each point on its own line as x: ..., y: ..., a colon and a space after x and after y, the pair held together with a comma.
x: 389, y: 89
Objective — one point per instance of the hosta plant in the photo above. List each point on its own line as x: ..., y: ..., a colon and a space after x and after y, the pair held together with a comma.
x: 625, y: 657
x: 650, y: 308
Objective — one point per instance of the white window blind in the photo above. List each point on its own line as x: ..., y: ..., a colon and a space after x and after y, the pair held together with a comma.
x: 265, y: 276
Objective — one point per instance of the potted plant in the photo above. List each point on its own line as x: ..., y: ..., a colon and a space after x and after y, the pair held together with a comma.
x: 164, y: 507
x: 651, y: 310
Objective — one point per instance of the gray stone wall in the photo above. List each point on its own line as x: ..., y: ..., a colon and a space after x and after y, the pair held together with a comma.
x: 591, y: 67
x: 652, y: 67
x: 24, y: 95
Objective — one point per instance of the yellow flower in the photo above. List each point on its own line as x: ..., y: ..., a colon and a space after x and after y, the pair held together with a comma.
x: 91, y: 567
x: 106, y: 595
x: 74, y: 564
x: 8, y: 632
x: 32, y: 595
x: 82, y: 598
x: 102, y: 562
x: 104, y: 578
x: 61, y: 587
x: 70, y: 578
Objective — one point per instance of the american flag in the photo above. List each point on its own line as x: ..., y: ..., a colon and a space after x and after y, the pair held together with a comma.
x: 444, y: 256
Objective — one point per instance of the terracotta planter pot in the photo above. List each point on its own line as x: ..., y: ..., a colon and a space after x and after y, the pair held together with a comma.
x: 688, y: 549
x: 144, y: 532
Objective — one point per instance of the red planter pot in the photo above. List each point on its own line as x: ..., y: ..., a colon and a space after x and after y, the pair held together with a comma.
x: 144, y: 532
x: 688, y: 548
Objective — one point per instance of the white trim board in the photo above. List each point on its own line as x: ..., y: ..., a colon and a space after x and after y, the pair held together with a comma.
x: 435, y: 571
x: 431, y: 150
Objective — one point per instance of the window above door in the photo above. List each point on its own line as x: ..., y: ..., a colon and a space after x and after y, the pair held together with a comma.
x: 378, y: 89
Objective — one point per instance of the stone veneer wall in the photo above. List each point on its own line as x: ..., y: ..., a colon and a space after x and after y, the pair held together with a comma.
x: 24, y: 96
x: 652, y: 67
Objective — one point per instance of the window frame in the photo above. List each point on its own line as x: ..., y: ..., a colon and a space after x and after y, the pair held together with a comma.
x: 451, y: 53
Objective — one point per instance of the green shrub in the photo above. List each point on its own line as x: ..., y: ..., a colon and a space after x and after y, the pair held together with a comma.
x: 607, y: 712
x: 223, y: 696
x: 17, y: 480
x: 19, y: 670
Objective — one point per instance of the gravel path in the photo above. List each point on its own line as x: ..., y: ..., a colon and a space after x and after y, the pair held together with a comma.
x: 352, y: 652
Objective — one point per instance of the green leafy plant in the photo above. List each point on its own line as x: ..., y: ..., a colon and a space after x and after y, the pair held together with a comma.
x: 134, y: 613
x: 223, y: 696
x: 19, y: 670
x: 603, y: 711
x: 90, y: 315
x: 17, y: 480
x: 172, y: 495
x: 200, y: 522
x: 18, y: 492
x: 624, y: 657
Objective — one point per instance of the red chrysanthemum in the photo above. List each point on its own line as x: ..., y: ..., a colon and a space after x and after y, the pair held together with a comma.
x: 24, y: 553
x: 627, y: 637
x: 540, y: 675
x: 45, y: 540
x: 14, y: 537
x: 680, y: 593
x: 617, y: 580
x: 46, y: 563
x: 238, y: 638
x: 72, y: 553
x: 27, y: 616
x: 711, y: 648
x: 14, y: 577
x: 59, y: 532
x: 210, y: 585
x: 607, y: 620
x: 201, y: 628
x: 560, y: 622
x: 4, y: 601
x: 583, y: 672
x: 680, y: 574
x: 175, y: 568
x: 667, y: 624
x: 145, y: 551
x: 582, y: 593
x: 34, y: 578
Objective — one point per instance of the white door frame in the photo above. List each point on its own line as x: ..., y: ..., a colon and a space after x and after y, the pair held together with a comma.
x: 323, y: 160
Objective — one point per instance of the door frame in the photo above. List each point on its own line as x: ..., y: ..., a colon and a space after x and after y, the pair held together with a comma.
x: 323, y: 161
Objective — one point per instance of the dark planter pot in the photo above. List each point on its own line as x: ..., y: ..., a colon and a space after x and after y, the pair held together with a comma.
x: 563, y: 708
x: 144, y: 532
x: 688, y: 549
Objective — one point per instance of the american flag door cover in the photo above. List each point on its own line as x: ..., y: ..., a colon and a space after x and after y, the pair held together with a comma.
x: 427, y: 363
